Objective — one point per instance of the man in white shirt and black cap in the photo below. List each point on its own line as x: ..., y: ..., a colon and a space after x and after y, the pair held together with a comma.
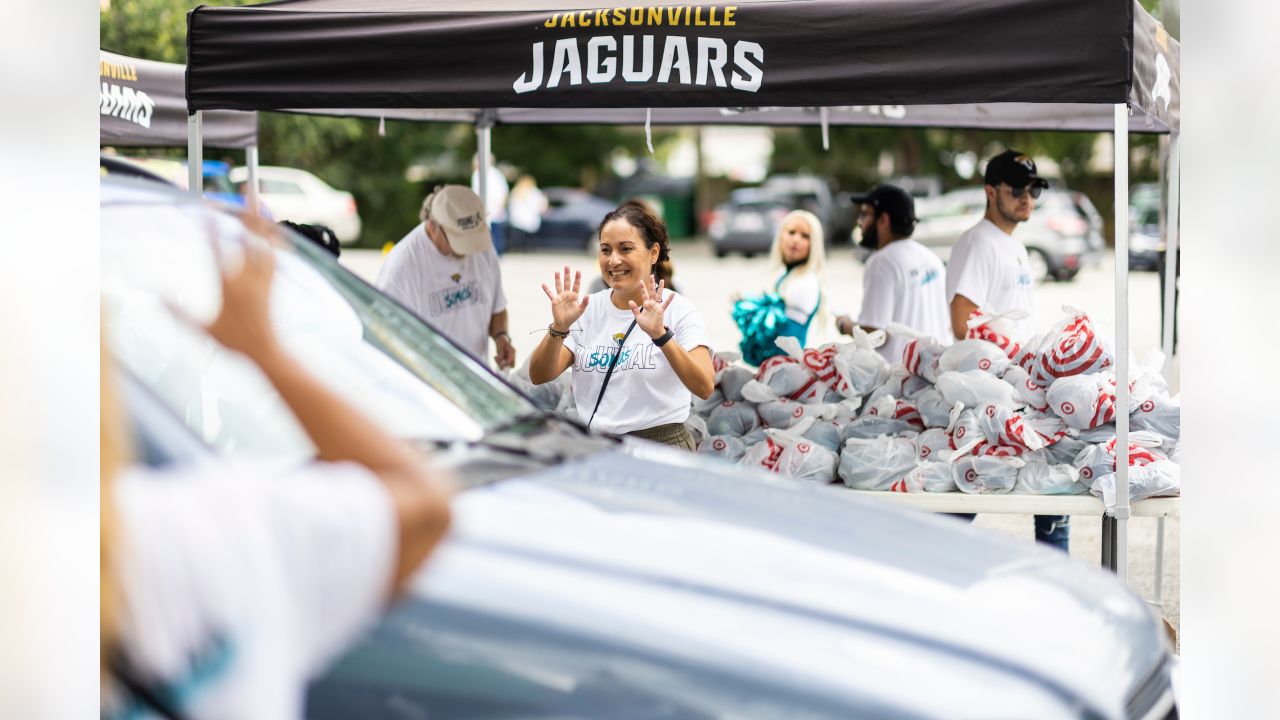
x: 988, y: 270
x: 446, y: 271
x: 904, y: 282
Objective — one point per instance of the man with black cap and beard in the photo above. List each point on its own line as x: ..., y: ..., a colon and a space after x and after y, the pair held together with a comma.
x: 988, y: 271
x: 904, y: 282
x: 988, y: 268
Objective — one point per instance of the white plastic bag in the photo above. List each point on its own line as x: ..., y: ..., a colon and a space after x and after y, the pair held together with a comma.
x: 974, y: 388
x: 876, y: 463
x: 724, y: 446
x: 935, y: 412
x: 887, y: 406
x: 732, y: 379
x: 1095, y: 461
x: 1032, y: 395
x: 997, y: 329
x: 965, y: 431
x: 920, y: 354
x: 985, y: 474
x: 733, y: 418
x: 1083, y: 401
x: 1038, y: 477
x: 926, y: 477
x: 968, y: 355
x: 900, y: 384
x: 859, y: 368
x: 790, y: 454
x: 934, y: 445
x: 1073, y: 347
x: 1161, y: 415
x: 697, y: 427
x: 704, y: 407
x: 869, y: 427
x: 827, y: 433
x: 1161, y: 478
x: 785, y: 377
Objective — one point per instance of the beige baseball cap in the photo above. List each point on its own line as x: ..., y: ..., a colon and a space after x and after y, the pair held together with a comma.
x: 460, y: 213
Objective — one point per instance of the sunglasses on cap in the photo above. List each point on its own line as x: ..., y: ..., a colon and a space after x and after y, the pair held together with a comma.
x: 1034, y: 189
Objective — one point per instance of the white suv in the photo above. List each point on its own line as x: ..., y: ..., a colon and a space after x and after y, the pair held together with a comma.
x: 299, y: 196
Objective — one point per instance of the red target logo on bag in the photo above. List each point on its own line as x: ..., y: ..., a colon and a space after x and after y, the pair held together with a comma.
x: 960, y: 431
x: 719, y: 444
x: 925, y: 451
x: 984, y: 364
x: 991, y: 411
x: 798, y: 412
x: 1086, y: 473
x: 971, y: 475
x: 1148, y: 406
x: 1067, y: 408
x: 802, y: 447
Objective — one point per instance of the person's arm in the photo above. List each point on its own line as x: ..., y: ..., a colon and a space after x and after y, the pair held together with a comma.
x: 961, y: 308
x: 339, y: 431
x: 551, y: 357
x: 693, y: 367
x: 506, y: 352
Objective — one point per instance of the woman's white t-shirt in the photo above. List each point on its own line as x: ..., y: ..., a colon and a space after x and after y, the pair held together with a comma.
x: 240, y: 584
x: 644, y: 390
x: 801, y: 293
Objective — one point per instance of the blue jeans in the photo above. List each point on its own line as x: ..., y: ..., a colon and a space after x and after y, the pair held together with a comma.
x: 1052, y: 530
x: 499, y: 232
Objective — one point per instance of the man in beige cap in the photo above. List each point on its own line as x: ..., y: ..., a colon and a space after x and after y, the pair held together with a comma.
x: 446, y: 271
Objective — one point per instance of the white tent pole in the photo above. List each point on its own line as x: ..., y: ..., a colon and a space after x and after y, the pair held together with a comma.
x: 1121, y: 512
x: 483, y: 150
x: 251, y: 161
x: 195, y: 154
x: 1171, y: 257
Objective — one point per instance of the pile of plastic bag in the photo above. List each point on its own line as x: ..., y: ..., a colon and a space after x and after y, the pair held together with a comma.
x: 983, y: 415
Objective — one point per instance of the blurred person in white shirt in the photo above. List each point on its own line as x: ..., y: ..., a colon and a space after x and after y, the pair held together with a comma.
x: 228, y: 585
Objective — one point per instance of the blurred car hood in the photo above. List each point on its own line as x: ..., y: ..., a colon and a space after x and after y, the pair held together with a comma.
x: 702, y: 560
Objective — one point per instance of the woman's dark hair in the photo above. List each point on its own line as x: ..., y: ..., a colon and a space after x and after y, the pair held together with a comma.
x: 639, y: 215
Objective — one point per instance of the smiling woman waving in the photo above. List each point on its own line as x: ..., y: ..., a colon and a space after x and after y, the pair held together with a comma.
x: 638, y: 350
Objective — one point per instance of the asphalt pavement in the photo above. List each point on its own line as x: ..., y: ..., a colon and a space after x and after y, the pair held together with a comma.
x: 710, y: 282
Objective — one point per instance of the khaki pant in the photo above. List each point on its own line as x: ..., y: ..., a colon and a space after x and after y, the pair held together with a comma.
x: 674, y: 434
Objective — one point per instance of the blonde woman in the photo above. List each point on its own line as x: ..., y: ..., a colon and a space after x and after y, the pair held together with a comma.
x: 794, y: 302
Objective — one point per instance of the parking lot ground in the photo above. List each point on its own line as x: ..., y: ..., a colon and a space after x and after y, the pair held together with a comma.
x: 710, y: 282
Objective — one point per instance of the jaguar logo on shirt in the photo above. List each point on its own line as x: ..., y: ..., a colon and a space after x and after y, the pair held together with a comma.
x: 619, y: 337
x: 453, y: 298
x: 456, y: 277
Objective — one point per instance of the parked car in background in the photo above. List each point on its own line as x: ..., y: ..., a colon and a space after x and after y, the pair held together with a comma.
x: 591, y: 576
x: 217, y: 183
x: 815, y: 194
x: 299, y: 196
x: 1063, y: 235
x: 570, y: 222
x: 1145, y: 241
x: 746, y: 223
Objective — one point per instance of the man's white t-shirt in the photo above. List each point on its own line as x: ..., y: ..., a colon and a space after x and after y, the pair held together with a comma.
x: 456, y: 295
x: 644, y: 390
x: 990, y: 268
x: 239, y: 585
x: 904, y: 282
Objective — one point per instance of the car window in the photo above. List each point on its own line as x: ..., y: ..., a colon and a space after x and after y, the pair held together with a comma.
x: 280, y: 187
x: 394, y: 368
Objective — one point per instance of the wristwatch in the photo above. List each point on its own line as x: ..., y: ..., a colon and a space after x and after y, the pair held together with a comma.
x: 500, y: 333
x: 664, y: 337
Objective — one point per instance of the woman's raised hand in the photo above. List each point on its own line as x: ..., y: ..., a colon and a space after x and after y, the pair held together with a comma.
x: 649, y: 313
x: 566, y: 304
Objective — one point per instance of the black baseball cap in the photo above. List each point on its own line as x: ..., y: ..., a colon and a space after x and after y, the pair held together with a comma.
x: 890, y: 199
x: 1013, y: 168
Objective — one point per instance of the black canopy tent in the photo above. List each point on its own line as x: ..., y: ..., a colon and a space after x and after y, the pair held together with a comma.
x: 143, y: 104
x: 1102, y: 65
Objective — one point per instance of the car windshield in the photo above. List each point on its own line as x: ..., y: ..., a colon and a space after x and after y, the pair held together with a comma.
x: 395, y: 368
